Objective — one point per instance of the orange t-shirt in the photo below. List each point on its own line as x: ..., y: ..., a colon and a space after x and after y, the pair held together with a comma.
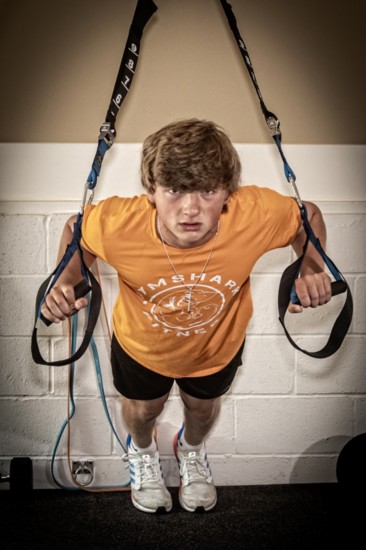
x: 150, y: 317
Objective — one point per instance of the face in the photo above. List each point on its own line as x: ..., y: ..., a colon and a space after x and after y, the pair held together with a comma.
x: 188, y: 219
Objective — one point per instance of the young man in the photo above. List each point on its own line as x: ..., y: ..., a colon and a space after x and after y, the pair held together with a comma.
x: 184, y: 252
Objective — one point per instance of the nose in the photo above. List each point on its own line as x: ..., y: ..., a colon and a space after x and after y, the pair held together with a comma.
x: 190, y: 204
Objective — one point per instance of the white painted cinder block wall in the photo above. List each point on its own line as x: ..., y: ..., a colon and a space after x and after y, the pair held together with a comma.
x: 286, y: 417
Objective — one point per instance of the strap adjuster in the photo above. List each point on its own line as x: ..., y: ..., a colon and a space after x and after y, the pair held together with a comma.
x: 273, y: 124
x: 107, y: 133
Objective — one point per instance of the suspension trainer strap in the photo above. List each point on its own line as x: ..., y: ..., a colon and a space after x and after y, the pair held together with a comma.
x: 87, y: 284
x: 143, y: 12
x: 271, y: 119
x: 94, y: 305
x: 287, y: 285
x: 287, y: 288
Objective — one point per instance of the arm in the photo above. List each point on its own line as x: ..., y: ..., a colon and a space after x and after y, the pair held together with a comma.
x: 60, y: 302
x: 313, y: 286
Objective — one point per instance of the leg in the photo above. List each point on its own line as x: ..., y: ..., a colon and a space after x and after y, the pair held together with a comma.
x: 201, y: 399
x: 144, y: 395
x: 140, y: 417
x: 199, y: 417
x: 148, y: 491
x: 197, y: 490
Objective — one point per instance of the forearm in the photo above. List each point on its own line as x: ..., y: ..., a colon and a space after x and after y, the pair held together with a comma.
x: 60, y: 301
x: 72, y: 273
x: 313, y: 262
x: 313, y: 286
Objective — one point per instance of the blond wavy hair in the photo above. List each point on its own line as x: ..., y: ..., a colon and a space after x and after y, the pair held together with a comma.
x: 190, y: 155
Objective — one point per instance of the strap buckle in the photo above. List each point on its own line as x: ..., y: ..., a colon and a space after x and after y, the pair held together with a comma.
x: 107, y: 133
x: 273, y: 124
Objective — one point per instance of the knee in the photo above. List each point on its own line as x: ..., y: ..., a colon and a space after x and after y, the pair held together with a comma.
x: 204, y: 410
x: 143, y: 411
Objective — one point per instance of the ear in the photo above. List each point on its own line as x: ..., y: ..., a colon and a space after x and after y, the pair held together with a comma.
x: 225, y: 205
x: 150, y: 198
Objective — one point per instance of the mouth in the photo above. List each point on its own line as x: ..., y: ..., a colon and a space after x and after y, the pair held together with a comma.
x: 194, y: 226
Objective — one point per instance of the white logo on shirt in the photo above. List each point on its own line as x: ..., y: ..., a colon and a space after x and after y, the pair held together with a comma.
x: 171, y: 307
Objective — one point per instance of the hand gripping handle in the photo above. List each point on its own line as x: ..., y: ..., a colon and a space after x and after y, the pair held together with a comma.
x: 341, y: 324
x: 80, y: 290
x: 337, y: 287
x: 94, y: 308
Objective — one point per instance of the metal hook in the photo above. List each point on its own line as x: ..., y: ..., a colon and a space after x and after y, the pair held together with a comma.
x: 85, y: 198
x: 295, y: 191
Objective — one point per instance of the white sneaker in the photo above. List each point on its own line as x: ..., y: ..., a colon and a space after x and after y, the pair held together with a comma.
x: 197, y: 491
x: 148, y: 490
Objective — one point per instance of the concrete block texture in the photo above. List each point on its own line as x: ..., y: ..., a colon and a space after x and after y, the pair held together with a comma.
x: 19, y: 375
x: 284, y: 419
x: 291, y: 425
x: 360, y: 299
x: 22, y: 244
x: 346, y: 241
x: 268, y: 367
x: 342, y: 373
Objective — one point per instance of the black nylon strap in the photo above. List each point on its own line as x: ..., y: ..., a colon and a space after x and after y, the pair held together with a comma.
x: 94, y: 309
x: 94, y: 305
x: 342, y: 323
x: 272, y: 120
x: 144, y: 10
x: 287, y: 285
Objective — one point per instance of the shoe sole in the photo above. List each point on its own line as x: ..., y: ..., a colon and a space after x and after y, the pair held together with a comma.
x: 160, y: 510
x: 198, y: 509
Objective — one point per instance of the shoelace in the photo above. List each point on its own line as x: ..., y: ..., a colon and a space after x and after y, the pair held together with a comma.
x: 196, y: 468
x: 149, y: 467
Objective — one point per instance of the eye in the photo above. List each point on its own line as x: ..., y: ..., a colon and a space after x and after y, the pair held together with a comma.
x: 173, y: 192
x: 209, y: 192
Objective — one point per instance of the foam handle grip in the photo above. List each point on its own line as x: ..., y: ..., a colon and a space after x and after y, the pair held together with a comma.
x: 80, y: 290
x: 337, y: 287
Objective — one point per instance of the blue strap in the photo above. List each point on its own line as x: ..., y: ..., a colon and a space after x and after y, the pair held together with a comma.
x: 73, y: 408
x: 103, y: 146
x: 72, y: 247
x: 316, y: 243
x: 48, y: 284
x: 310, y: 237
x: 289, y: 173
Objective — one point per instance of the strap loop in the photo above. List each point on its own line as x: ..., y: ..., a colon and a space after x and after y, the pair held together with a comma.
x: 342, y: 323
x: 94, y: 308
x: 287, y: 289
x: 47, y: 285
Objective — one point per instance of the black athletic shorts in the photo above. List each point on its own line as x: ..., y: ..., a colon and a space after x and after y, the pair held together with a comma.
x: 134, y: 381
